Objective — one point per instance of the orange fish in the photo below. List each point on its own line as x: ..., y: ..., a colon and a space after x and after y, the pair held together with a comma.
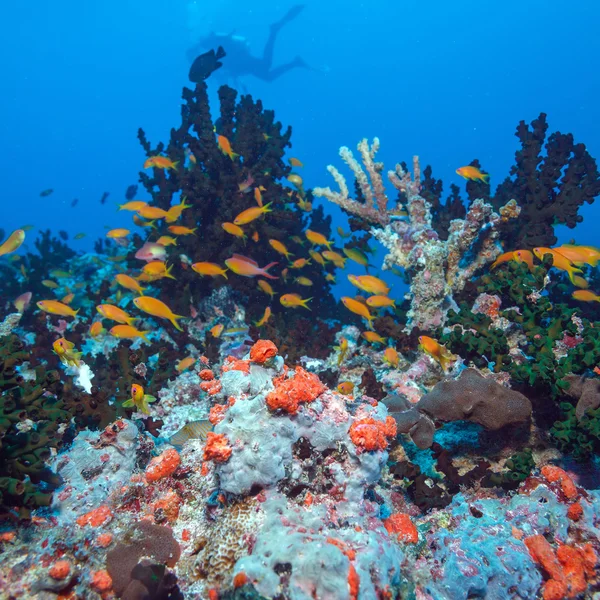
x: 152, y: 212
x: 559, y: 262
x: 380, y: 302
x: 373, y: 338
x: 317, y: 257
x: 208, y: 268
x: 246, y: 267
x: 175, y: 211
x: 317, y: 239
x: 358, y: 308
x: 166, y: 240
x: 255, y: 236
x: 280, y: 248
x: 251, y: 214
x: 580, y: 255
x: 294, y: 162
x: 258, y: 196
x: 524, y: 256
x: 160, y: 162
x: 128, y: 332
x: 118, y: 233
x: 156, y: 308
x: 129, y: 283
x: 21, y: 302
x: 67, y: 299
x: 234, y: 230
x: 13, y: 242
x: 294, y: 301
x: 473, y: 174
x: 139, y: 399
x: 133, y: 205
x: 337, y: 259
x: 265, y: 286
x: 96, y: 329
x: 391, y: 357
x: 345, y: 388
x: 114, y: 313
x: 369, y: 284
x: 141, y: 223
x: 54, y: 307
x: 157, y: 270
x: 503, y: 258
x: 300, y: 263
x: 66, y: 352
x: 181, y: 230
x: 265, y: 318
x: 217, y: 330
x: 585, y: 296
x: 185, y: 363
x: 225, y: 147
x: 438, y: 352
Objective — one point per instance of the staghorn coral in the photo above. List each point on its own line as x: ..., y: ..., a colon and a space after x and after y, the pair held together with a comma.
x: 438, y: 269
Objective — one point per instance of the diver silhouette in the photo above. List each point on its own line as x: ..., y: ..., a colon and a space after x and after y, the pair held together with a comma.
x: 241, y: 62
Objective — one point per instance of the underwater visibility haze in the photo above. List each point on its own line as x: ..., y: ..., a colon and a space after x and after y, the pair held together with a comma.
x: 300, y: 301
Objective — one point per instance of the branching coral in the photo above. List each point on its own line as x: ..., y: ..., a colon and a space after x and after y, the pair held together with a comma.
x: 439, y: 269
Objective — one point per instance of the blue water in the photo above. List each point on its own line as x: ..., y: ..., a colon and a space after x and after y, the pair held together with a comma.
x: 446, y: 80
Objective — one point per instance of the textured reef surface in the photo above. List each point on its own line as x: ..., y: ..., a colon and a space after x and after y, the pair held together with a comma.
x: 188, y: 411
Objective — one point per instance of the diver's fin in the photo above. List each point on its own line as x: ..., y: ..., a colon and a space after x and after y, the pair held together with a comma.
x: 289, y: 16
x: 220, y: 53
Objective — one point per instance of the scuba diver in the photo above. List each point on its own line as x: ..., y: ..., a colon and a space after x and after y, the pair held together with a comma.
x: 240, y: 61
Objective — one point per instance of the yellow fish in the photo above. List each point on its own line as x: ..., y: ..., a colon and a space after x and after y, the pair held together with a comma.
x: 380, y: 302
x: 303, y: 281
x: 300, y: 263
x: 96, y: 329
x: 217, y: 330
x: 128, y: 332
x: 281, y: 248
x: 265, y: 318
x: 225, y: 147
x: 438, y: 352
x: 473, y: 174
x: 342, y: 350
x: 265, y: 286
x: 59, y: 274
x: 258, y: 196
x: 166, y: 240
x: 68, y: 299
x: 156, y: 308
x: 185, y: 363
x: 133, y: 205
x: 345, y: 388
x: 357, y: 256
x: 13, y: 242
x: 49, y: 284
x: 157, y: 269
x: 337, y: 259
x: 79, y: 236
x: 358, y: 308
x: 152, y: 212
x: 295, y: 180
x: 369, y: 284
x: 373, y: 338
x: 160, y: 162
x: 585, y: 296
x: 559, y: 262
x: 330, y: 277
x: 294, y: 301
x: 391, y: 357
x: 181, y: 230
x: 342, y: 233
x: 139, y: 399
x: 317, y: 257
x: 118, y: 233
x: 54, y: 307
x: 114, y: 313
x: 580, y: 255
x: 234, y: 230
x: 251, y: 214
x: 141, y: 223
x: 66, y: 352
x: 129, y: 283
x: 208, y: 268
x: 175, y: 211
x: 317, y: 239
x: 21, y: 302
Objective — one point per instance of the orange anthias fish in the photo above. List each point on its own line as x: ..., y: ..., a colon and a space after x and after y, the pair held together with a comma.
x: 166, y: 240
x: 157, y: 269
x: 380, y: 302
x: 156, y: 308
x: 13, y: 242
x: 345, y: 388
x: 524, y: 256
x: 342, y: 350
x: 391, y: 357
x: 281, y: 248
x: 54, y: 307
x: 217, y: 330
x: 234, y: 230
x: 294, y: 301
x: 317, y: 239
x: 265, y: 286
x: 265, y: 318
x: 114, y: 313
x: 181, y: 230
x: 152, y: 212
x: 438, y: 352
x: 139, y: 399
x: 251, y: 214
x: 580, y: 255
x: 300, y: 263
x: 559, y: 262
x: 369, y: 284
x: 473, y: 174
x: 337, y: 259
x: 373, y: 338
x: 175, y: 211
x: 96, y: 329
x: 68, y: 298
x: 358, y: 308
x: 258, y: 196
x: 317, y: 257
x: 22, y: 302
x: 208, y: 268
x: 503, y: 258
x: 128, y: 332
x: 255, y: 236
x: 117, y: 233
x: 225, y: 147
x: 294, y: 162
x: 65, y: 350
x: 586, y: 296
x: 129, y: 283
x: 133, y: 205
x: 160, y: 162
x: 185, y: 363
x: 246, y: 267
